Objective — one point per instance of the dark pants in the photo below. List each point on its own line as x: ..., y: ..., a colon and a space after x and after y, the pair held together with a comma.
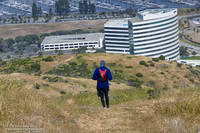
x: 103, y: 94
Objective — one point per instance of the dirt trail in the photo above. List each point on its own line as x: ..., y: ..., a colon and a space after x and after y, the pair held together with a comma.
x: 118, y: 118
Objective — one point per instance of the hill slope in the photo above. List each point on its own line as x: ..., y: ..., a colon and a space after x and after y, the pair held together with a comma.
x: 56, y: 95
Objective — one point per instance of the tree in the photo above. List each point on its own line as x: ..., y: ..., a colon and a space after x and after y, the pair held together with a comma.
x: 62, y: 7
x: 39, y: 11
x: 183, y: 51
x: 50, y: 12
x: 10, y: 42
x: 85, y: 7
x: 194, y: 53
x: 34, y: 10
x: 92, y: 8
x: 81, y: 10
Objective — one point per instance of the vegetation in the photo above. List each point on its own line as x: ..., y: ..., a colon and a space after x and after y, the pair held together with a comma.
x: 48, y: 59
x: 152, y: 99
x: 62, y: 7
x: 54, y: 79
x: 162, y: 57
x: 144, y: 63
x: 139, y: 75
x: 155, y: 59
x: 192, y: 58
x: 36, y: 11
x: 86, y: 7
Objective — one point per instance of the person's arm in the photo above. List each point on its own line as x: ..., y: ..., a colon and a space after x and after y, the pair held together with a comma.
x: 95, y: 74
x: 109, y: 75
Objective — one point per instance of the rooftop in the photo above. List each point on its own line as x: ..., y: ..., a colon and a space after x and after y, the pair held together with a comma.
x: 155, y: 11
x: 117, y: 22
x: 73, y: 38
x: 149, y: 14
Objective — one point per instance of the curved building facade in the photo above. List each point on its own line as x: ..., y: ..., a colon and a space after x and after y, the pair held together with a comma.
x: 152, y: 33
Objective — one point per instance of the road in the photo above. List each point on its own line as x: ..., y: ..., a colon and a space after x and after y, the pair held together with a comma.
x: 191, y: 47
x: 187, y: 16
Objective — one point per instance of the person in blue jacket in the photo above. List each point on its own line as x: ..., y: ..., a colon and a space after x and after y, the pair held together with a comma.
x: 102, y: 75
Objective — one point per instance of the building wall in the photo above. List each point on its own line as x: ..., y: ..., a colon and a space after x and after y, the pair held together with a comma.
x: 157, y: 37
x: 154, y: 37
x: 72, y: 45
x: 117, y: 38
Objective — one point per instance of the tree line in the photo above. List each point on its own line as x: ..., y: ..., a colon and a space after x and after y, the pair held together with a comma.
x: 36, y: 10
x: 62, y: 7
x: 86, y: 7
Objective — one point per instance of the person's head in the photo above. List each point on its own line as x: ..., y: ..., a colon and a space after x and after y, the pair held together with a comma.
x: 102, y: 63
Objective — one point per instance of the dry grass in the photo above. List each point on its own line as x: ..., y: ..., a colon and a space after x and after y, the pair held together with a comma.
x: 77, y: 109
x: 22, y: 105
x: 11, y: 31
x: 158, y: 76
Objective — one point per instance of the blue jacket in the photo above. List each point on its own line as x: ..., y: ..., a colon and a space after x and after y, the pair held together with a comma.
x: 96, y: 76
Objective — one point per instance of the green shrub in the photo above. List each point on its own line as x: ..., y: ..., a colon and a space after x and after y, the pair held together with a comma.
x: 55, y: 79
x: 72, y: 63
x: 162, y: 73
x: 155, y: 59
x: 179, y: 65
x: 151, y: 63
x: 35, y: 67
x: 135, y: 83
x: 153, y: 93
x: 48, y: 59
x: 129, y: 66
x: 139, y: 75
x: 151, y: 83
x: 36, y: 86
x: 162, y: 57
x: 111, y: 64
x: 129, y: 57
x: 144, y: 63
x: 72, y: 70
x: 62, y: 92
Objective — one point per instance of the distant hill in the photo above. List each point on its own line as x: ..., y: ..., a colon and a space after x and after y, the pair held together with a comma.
x: 56, y: 94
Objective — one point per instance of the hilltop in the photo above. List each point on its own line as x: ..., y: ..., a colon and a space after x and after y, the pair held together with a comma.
x: 56, y: 94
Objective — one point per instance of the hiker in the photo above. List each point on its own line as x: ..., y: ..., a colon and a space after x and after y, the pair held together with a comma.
x: 102, y: 75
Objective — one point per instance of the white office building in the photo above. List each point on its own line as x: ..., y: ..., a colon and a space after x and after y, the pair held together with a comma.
x: 75, y: 41
x: 153, y: 32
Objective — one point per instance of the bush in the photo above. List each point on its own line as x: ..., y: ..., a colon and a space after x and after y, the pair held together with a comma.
x: 179, y: 65
x: 155, y: 59
x: 135, y: 83
x: 162, y: 57
x: 139, y: 75
x: 153, y: 93
x: 162, y: 73
x: 35, y: 67
x: 111, y: 64
x: 151, y: 83
x: 48, y: 59
x: 144, y: 63
x: 54, y: 79
x: 151, y: 63
x: 129, y: 66
x: 62, y: 92
x: 36, y: 86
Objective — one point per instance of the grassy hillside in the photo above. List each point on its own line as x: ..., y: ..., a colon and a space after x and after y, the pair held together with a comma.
x: 56, y: 94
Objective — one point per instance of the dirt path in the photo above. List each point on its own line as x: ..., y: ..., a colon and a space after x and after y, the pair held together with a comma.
x: 117, y: 119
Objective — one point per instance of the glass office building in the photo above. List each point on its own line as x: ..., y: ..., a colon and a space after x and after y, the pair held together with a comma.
x: 153, y: 32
